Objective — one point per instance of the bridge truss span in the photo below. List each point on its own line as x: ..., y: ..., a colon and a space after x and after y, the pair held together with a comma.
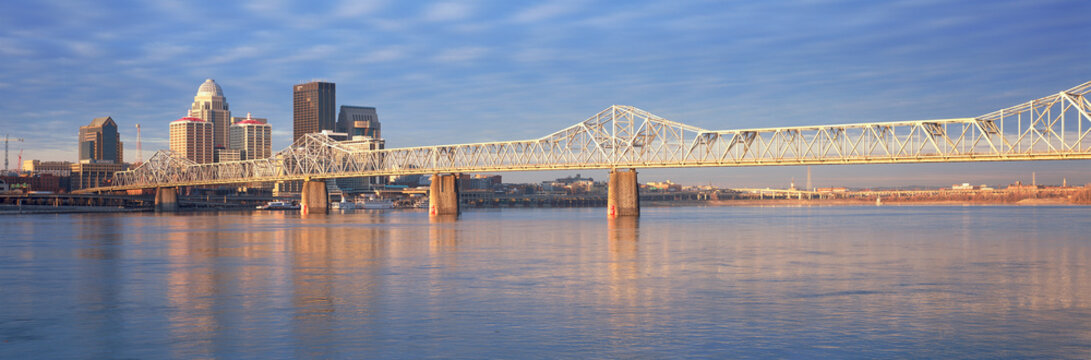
x: 1054, y: 127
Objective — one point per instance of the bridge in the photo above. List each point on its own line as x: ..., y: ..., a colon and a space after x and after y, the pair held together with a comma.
x: 621, y: 138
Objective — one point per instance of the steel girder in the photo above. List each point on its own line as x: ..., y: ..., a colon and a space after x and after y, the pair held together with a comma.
x: 1050, y: 128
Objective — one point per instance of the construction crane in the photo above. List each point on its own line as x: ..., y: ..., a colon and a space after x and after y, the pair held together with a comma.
x: 8, y: 139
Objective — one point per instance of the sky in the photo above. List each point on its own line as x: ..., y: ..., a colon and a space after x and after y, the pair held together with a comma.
x: 451, y: 72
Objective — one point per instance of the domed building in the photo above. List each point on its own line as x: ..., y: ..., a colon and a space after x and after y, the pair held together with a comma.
x: 211, y: 106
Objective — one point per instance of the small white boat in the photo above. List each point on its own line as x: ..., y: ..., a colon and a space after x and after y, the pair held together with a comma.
x: 375, y: 204
x: 343, y: 205
x: 278, y: 205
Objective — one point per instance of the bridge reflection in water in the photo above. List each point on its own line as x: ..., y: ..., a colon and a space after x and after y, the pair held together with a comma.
x: 949, y: 281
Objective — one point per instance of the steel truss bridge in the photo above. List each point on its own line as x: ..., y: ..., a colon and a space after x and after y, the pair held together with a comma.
x: 1054, y: 127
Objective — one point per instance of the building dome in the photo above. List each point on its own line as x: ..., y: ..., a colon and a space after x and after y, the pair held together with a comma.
x: 210, y: 88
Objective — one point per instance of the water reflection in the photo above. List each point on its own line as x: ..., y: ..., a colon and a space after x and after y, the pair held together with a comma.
x: 100, y: 245
x: 830, y: 282
x: 623, y: 234
x: 443, y: 234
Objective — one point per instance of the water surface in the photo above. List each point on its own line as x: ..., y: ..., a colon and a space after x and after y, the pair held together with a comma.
x: 735, y: 282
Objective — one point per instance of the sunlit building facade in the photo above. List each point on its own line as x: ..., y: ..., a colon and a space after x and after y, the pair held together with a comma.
x: 252, y: 138
x: 192, y: 138
x: 313, y: 108
x: 210, y: 105
x: 100, y: 142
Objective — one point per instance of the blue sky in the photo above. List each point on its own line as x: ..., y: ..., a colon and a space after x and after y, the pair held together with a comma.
x: 471, y: 71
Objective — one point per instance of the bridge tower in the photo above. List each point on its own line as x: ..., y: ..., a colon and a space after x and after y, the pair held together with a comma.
x: 314, y: 198
x: 166, y: 199
x: 623, y: 194
x: 443, y: 195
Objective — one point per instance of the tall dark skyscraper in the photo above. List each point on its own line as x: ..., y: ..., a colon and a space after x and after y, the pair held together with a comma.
x: 313, y: 108
x: 99, y: 141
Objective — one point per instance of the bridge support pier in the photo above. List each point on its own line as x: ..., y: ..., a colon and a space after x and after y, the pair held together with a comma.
x: 623, y: 194
x: 166, y: 199
x: 443, y: 195
x: 314, y: 199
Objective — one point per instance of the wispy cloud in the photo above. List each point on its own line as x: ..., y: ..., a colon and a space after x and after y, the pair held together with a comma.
x: 13, y: 47
x: 316, y: 52
x: 267, y: 7
x: 388, y: 54
x: 157, y: 52
x: 446, y: 11
x: 546, y: 11
x: 236, y: 54
x: 460, y: 55
x: 355, y: 8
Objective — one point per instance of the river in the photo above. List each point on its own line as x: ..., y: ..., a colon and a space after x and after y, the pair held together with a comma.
x: 708, y: 282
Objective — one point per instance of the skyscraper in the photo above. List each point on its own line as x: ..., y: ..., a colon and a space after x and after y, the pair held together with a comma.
x: 192, y: 138
x: 210, y: 105
x: 253, y: 138
x: 313, y: 108
x: 361, y: 123
x: 358, y: 121
x: 100, y: 142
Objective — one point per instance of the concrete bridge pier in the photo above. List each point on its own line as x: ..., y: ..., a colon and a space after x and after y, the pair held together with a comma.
x: 623, y: 194
x: 443, y: 195
x: 166, y: 199
x: 314, y: 199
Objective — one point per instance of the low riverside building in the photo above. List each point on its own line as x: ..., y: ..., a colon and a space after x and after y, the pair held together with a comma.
x: 89, y: 173
x: 55, y: 168
x: 38, y: 182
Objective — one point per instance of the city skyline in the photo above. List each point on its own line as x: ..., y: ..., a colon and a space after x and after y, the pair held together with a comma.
x: 451, y: 72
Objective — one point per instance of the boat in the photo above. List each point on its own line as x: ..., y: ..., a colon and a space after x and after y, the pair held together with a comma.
x: 343, y: 205
x: 372, y: 203
x: 278, y: 205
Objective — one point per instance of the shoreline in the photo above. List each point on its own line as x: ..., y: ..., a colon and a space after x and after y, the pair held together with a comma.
x: 45, y: 209
x: 861, y: 202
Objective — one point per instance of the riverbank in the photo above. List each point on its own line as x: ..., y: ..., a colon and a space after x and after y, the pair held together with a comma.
x: 46, y: 209
x: 865, y: 202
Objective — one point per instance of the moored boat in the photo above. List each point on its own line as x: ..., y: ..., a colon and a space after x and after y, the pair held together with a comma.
x: 343, y: 205
x: 278, y: 205
x: 372, y: 203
